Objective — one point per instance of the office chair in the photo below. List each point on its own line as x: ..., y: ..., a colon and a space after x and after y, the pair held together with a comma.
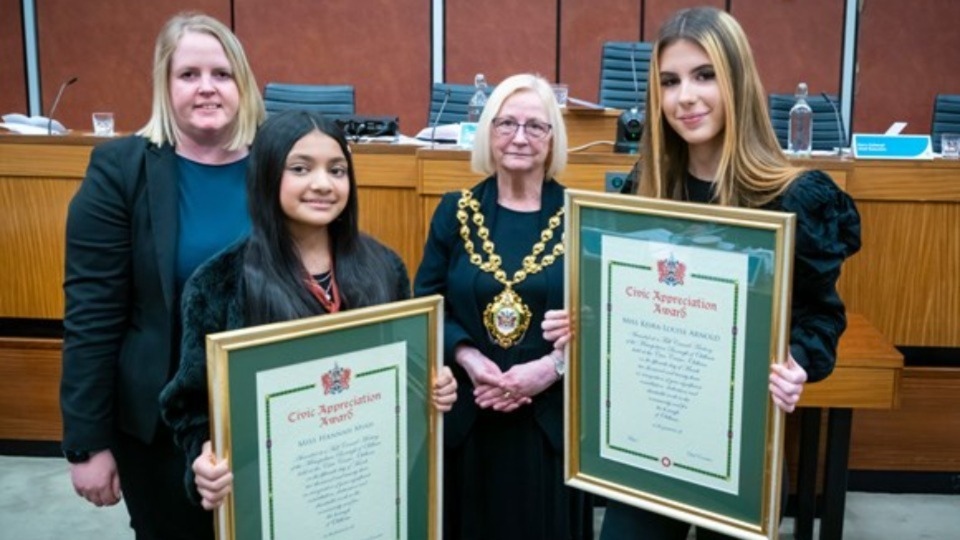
x: 456, y: 109
x: 827, y: 134
x: 946, y: 118
x: 624, y: 71
x: 335, y: 100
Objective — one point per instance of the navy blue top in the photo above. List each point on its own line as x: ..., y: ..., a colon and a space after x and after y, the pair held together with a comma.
x: 212, y: 211
x: 828, y: 231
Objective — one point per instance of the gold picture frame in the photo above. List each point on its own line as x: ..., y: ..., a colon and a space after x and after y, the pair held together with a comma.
x: 677, y: 311
x: 328, y: 424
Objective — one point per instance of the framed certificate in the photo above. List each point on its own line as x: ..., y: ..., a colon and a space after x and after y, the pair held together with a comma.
x: 329, y: 426
x: 677, y: 312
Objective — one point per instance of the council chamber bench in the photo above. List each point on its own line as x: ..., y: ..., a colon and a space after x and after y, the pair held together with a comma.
x: 904, y: 283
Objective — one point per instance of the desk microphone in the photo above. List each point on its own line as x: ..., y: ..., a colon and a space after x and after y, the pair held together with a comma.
x: 840, y: 131
x: 436, y: 121
x: 57, y: 102
x: 630, y: 122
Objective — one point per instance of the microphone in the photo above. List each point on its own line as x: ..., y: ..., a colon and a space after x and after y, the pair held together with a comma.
x: 633, y: 68
x: 57, y: 102
x: 630, y: 122
x: 436, y: 121
x: 840, y: 131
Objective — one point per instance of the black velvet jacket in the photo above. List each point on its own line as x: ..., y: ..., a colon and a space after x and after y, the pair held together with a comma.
x: 213, y: 301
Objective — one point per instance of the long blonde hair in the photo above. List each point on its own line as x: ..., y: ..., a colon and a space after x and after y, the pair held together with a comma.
x: 753, y: 169
x: 161, y: 128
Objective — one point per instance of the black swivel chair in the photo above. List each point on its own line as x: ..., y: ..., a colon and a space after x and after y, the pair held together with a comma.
x: 334, y: 100
x: 456, y: 108
x: 624, y: 71
x: 828, y: 130
x: 946, y: 118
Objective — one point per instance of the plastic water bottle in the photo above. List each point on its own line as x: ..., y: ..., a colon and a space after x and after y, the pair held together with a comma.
x: 800, y: 139
x: 478, y: 100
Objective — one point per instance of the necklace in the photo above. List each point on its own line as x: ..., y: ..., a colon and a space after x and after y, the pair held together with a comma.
x: 324, y: 288
x: 506, y: 316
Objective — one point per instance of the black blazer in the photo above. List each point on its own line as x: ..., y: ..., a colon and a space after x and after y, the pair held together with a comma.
x: 120, y: 344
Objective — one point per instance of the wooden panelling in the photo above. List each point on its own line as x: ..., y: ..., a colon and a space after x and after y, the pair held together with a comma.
x: 585, y: 127
x: 13, y: 82
x: 584, y: 26
x: 388, y: 214
x: 385, y: 165
x: 108, y: 44
x: 656, y: 12
x: 381, y: 47
x: 906, y: 54
x: 884, y: 181
x: 500, y: 38
x: 31, y: 245
x: 867, y: 374
x: 922, y: 435
x: 56, y: 160
x: 906, y: 278
x: 30, y: 389
x: 794, y: 42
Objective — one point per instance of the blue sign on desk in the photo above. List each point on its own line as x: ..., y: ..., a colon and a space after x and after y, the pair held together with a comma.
x: 892, y: 146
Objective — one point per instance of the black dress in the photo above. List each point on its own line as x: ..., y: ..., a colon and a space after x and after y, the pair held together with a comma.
x: 827, y: 232
x: 503, y: 472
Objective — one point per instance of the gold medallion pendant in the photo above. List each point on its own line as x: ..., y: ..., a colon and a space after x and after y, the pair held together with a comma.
x: 506, y: 317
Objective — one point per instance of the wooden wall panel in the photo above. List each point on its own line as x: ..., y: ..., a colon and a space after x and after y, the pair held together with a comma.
x: 584, y: 26
x: 656, y: 12
x: 30, y: 389
x: 907, y: 54
x: 13, y: 81
x: 500, y: 38
x: 919, y: 436
x: 382, y: 48
x: 904, y: 249
x: 108, y: 44
x: 794, y: 41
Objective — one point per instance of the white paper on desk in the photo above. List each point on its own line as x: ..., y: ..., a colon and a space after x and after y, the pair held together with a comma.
x: 444, y: 133
x: 895, y: 128
x: 31, y: 125
x: 583, y: 104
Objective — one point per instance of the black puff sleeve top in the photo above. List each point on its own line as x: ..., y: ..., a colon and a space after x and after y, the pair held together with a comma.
x: 827, y: 232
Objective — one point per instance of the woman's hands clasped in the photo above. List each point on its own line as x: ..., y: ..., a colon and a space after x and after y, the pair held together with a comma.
x: 504, y: 391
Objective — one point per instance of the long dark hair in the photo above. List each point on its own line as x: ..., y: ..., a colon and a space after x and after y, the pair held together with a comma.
x: 273, y: 271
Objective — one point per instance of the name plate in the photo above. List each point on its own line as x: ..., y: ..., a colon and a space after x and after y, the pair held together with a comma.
x: 892, y: 146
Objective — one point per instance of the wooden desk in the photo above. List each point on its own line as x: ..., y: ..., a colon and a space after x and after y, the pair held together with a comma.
x: 586, y: 126
x: 867, y: 376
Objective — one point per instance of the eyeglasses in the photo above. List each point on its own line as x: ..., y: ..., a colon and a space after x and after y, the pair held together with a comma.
x: 507, y: 127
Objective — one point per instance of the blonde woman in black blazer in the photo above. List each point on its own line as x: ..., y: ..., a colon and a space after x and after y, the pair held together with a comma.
x: 151, y: 208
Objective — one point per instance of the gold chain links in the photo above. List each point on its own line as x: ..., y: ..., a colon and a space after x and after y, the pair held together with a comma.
x: 493, y: 262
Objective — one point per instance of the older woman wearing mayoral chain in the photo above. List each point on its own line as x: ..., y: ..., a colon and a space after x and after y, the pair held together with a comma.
x: 708, y: 139
x: 494, y: 252
x: 152, y: 207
